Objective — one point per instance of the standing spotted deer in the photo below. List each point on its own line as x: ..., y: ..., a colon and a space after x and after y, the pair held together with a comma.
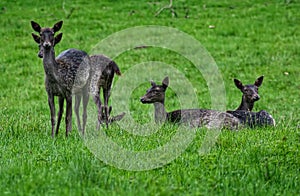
x: 249, y: 97
x: 102, y: 74
x: 192, y: 117
x: 103, y: 71
x: 63, y: 78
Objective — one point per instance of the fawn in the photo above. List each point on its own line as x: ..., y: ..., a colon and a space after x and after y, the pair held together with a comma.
x: 191, y: 117
x: 63, y: 78
x: 250, y: 95
x: 102, y: 74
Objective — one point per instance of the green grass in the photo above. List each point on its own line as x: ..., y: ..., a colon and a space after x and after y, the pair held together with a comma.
x: 250, y: 38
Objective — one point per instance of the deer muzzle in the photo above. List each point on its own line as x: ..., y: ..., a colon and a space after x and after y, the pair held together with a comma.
x: 40, y: 55
x: 256, y: 97
x: 47, y: 44
x: 144, y: 100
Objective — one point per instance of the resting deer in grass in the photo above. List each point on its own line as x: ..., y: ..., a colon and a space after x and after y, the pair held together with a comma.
x: 192, y: 117
x: 102, y: 74
x: 63, y: 78
x: 244, y: 111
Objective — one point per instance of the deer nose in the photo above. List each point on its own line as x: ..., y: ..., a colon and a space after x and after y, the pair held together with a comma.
x: 256, y: 97
x: 40, y: 55
x: 143, y: 99
x: 47, y: 44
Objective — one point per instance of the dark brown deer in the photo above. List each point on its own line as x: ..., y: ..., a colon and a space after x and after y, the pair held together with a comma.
x: 192, y: 117
x: 102, y: 74
x: 244, y: 111
x: 103, y: 70
x: 63, y: 78
x: 70, y: 56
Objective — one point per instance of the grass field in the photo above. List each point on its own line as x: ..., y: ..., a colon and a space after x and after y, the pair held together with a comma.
x: 249, y: 39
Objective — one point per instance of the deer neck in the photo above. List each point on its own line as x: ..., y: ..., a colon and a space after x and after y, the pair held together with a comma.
x: 160, y: 114
x: 246, y: 105
x: 50, y: 64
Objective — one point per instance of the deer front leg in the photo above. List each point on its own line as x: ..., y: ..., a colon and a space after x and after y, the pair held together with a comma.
x: 76, y: 108
x: 69, y: 115
x: 60, y: 112
x: 52, y: 112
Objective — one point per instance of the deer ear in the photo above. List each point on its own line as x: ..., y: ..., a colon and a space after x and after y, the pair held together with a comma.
x: 36, y: 26
x: 57, y: 26
x: 259, y: 81
x: 238, y: 84
x: 165, y: 82
x: 152, y: 83
x: 36, y: 38
x: 57, y: 39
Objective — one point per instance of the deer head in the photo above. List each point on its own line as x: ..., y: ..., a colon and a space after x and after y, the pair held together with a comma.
x: 250, y: 93
x: 46, y: 35
x: 156, y: 93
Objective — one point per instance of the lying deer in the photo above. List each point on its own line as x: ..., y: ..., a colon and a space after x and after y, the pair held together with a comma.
x: 250, y: 96
x: 62, y: 78
x: 103, y: 70
x: 191, y: 117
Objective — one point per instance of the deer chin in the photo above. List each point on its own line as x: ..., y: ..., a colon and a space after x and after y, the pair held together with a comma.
x: 256, y: 98
x: 145, y: 101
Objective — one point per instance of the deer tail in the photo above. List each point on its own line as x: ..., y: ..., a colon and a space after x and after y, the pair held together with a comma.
x: 116, y: 68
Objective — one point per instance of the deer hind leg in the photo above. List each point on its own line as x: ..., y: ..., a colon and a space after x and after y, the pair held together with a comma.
x: 76, y: 108
x: 106, y: 95
x: 60, y: 112
x: 85, y: 104
x: 97, y: 100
